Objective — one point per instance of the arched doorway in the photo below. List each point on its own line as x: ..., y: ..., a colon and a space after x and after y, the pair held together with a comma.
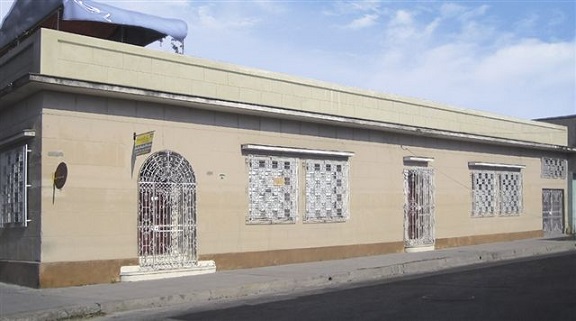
x: 166, y: 212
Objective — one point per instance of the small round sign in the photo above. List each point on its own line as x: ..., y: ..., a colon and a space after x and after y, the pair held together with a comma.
x: 60, y: 175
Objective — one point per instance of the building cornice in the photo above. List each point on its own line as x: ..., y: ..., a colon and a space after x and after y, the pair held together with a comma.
x: 43, y: 82
x: 17, y: 137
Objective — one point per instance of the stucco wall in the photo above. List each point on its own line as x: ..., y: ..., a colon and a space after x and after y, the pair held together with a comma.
x: 78, y: 57
x: 94, y: 215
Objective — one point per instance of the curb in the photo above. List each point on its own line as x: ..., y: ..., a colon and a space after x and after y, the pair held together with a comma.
x: 357, y: 276
x: 64, y: 313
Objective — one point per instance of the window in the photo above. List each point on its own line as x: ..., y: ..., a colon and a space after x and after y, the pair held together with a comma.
x: 326, y: 191
x: 553, y: 168
x: 273, y: 189
x: 13, y: 186
x: 273, y: 184
x: 496, y: 193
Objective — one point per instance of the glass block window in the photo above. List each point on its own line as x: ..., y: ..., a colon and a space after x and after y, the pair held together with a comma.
x: 13, y: 186
x: 326, y: 191
x: 496, y: 193
x: 553, y: 168
x: 273, y: 189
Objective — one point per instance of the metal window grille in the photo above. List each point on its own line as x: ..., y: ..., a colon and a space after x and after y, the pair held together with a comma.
x: 510, y: 193
x: 419, y: 207
x: 553, y: 168
x: 496, y: 193
x: 484, y: 195
x: 167, y: 213
x: 326, y: 190
x: 13, y: 187
x: 273, y: 189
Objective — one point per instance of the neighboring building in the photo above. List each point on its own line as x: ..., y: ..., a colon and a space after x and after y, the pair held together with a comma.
x: 246, y: 168
x: 570, y: 122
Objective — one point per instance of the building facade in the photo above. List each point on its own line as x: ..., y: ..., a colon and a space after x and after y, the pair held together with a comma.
x: 124, y: 161
x: 570, y: 122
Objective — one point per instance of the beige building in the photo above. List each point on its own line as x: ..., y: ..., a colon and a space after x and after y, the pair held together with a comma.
x: 120, y: 162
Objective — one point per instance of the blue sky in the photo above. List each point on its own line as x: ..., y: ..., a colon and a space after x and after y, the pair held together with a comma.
x: 514, y: 58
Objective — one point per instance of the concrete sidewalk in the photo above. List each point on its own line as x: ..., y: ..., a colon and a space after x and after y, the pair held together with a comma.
x: 19, y: 303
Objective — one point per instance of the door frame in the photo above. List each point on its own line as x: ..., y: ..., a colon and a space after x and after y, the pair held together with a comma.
x: 553, y: 210
x: 419, y: 209
x: 167, y: 236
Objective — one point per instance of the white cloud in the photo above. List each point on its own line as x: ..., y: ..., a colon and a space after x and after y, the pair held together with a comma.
x: 208, y: 18
x: 450, y: 10
x: 529, y: 79
x: 474, y: 64
x: 363, y: 22
x: 366, y: 5
x: 400, y: 29
x: 271, y: 6
x: 402, y: 18
x: 527, y: 23
x: 474, y: 12
x: 340, y: 8
x: 531, y: 63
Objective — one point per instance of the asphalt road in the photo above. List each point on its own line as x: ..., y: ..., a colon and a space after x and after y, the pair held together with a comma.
x: 540, y: 289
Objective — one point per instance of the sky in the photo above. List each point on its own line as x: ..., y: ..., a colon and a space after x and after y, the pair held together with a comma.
x: 512, y: 58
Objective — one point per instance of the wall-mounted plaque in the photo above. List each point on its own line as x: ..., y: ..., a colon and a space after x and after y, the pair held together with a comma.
x: 60, y: 175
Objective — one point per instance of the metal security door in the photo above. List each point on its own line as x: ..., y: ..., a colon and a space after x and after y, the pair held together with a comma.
x: 166, y: 213
x: 552, y: 211
x: 419, y: 207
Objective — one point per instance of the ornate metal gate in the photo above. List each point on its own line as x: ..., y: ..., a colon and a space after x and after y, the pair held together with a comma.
x: 166, y: 213
x: 419, y: 207
x: 552, y: 210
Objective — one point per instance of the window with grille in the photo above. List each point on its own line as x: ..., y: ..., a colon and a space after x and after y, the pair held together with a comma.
x: 13, y: 186
x: 496, y: 193
x: 273, y: 189
x: 326, y: 191
x: 553, y: 168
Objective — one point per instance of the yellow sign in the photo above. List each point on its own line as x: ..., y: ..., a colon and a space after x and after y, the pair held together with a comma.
x: 143, y: 143
x: 279, y: 181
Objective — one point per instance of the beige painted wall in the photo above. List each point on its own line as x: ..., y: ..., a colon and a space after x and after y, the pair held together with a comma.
x: 94, y: 215
x: 90, y: 59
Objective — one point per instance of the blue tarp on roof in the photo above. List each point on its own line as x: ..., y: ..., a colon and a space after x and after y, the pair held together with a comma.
x: 25, y: 15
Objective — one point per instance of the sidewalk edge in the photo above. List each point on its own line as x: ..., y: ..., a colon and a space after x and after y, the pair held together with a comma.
x: 476, y: 257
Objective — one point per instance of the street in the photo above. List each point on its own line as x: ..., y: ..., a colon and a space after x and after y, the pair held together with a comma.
x: 542, y: 288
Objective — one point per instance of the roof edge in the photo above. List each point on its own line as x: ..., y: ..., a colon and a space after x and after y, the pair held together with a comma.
x: 269, y: 111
